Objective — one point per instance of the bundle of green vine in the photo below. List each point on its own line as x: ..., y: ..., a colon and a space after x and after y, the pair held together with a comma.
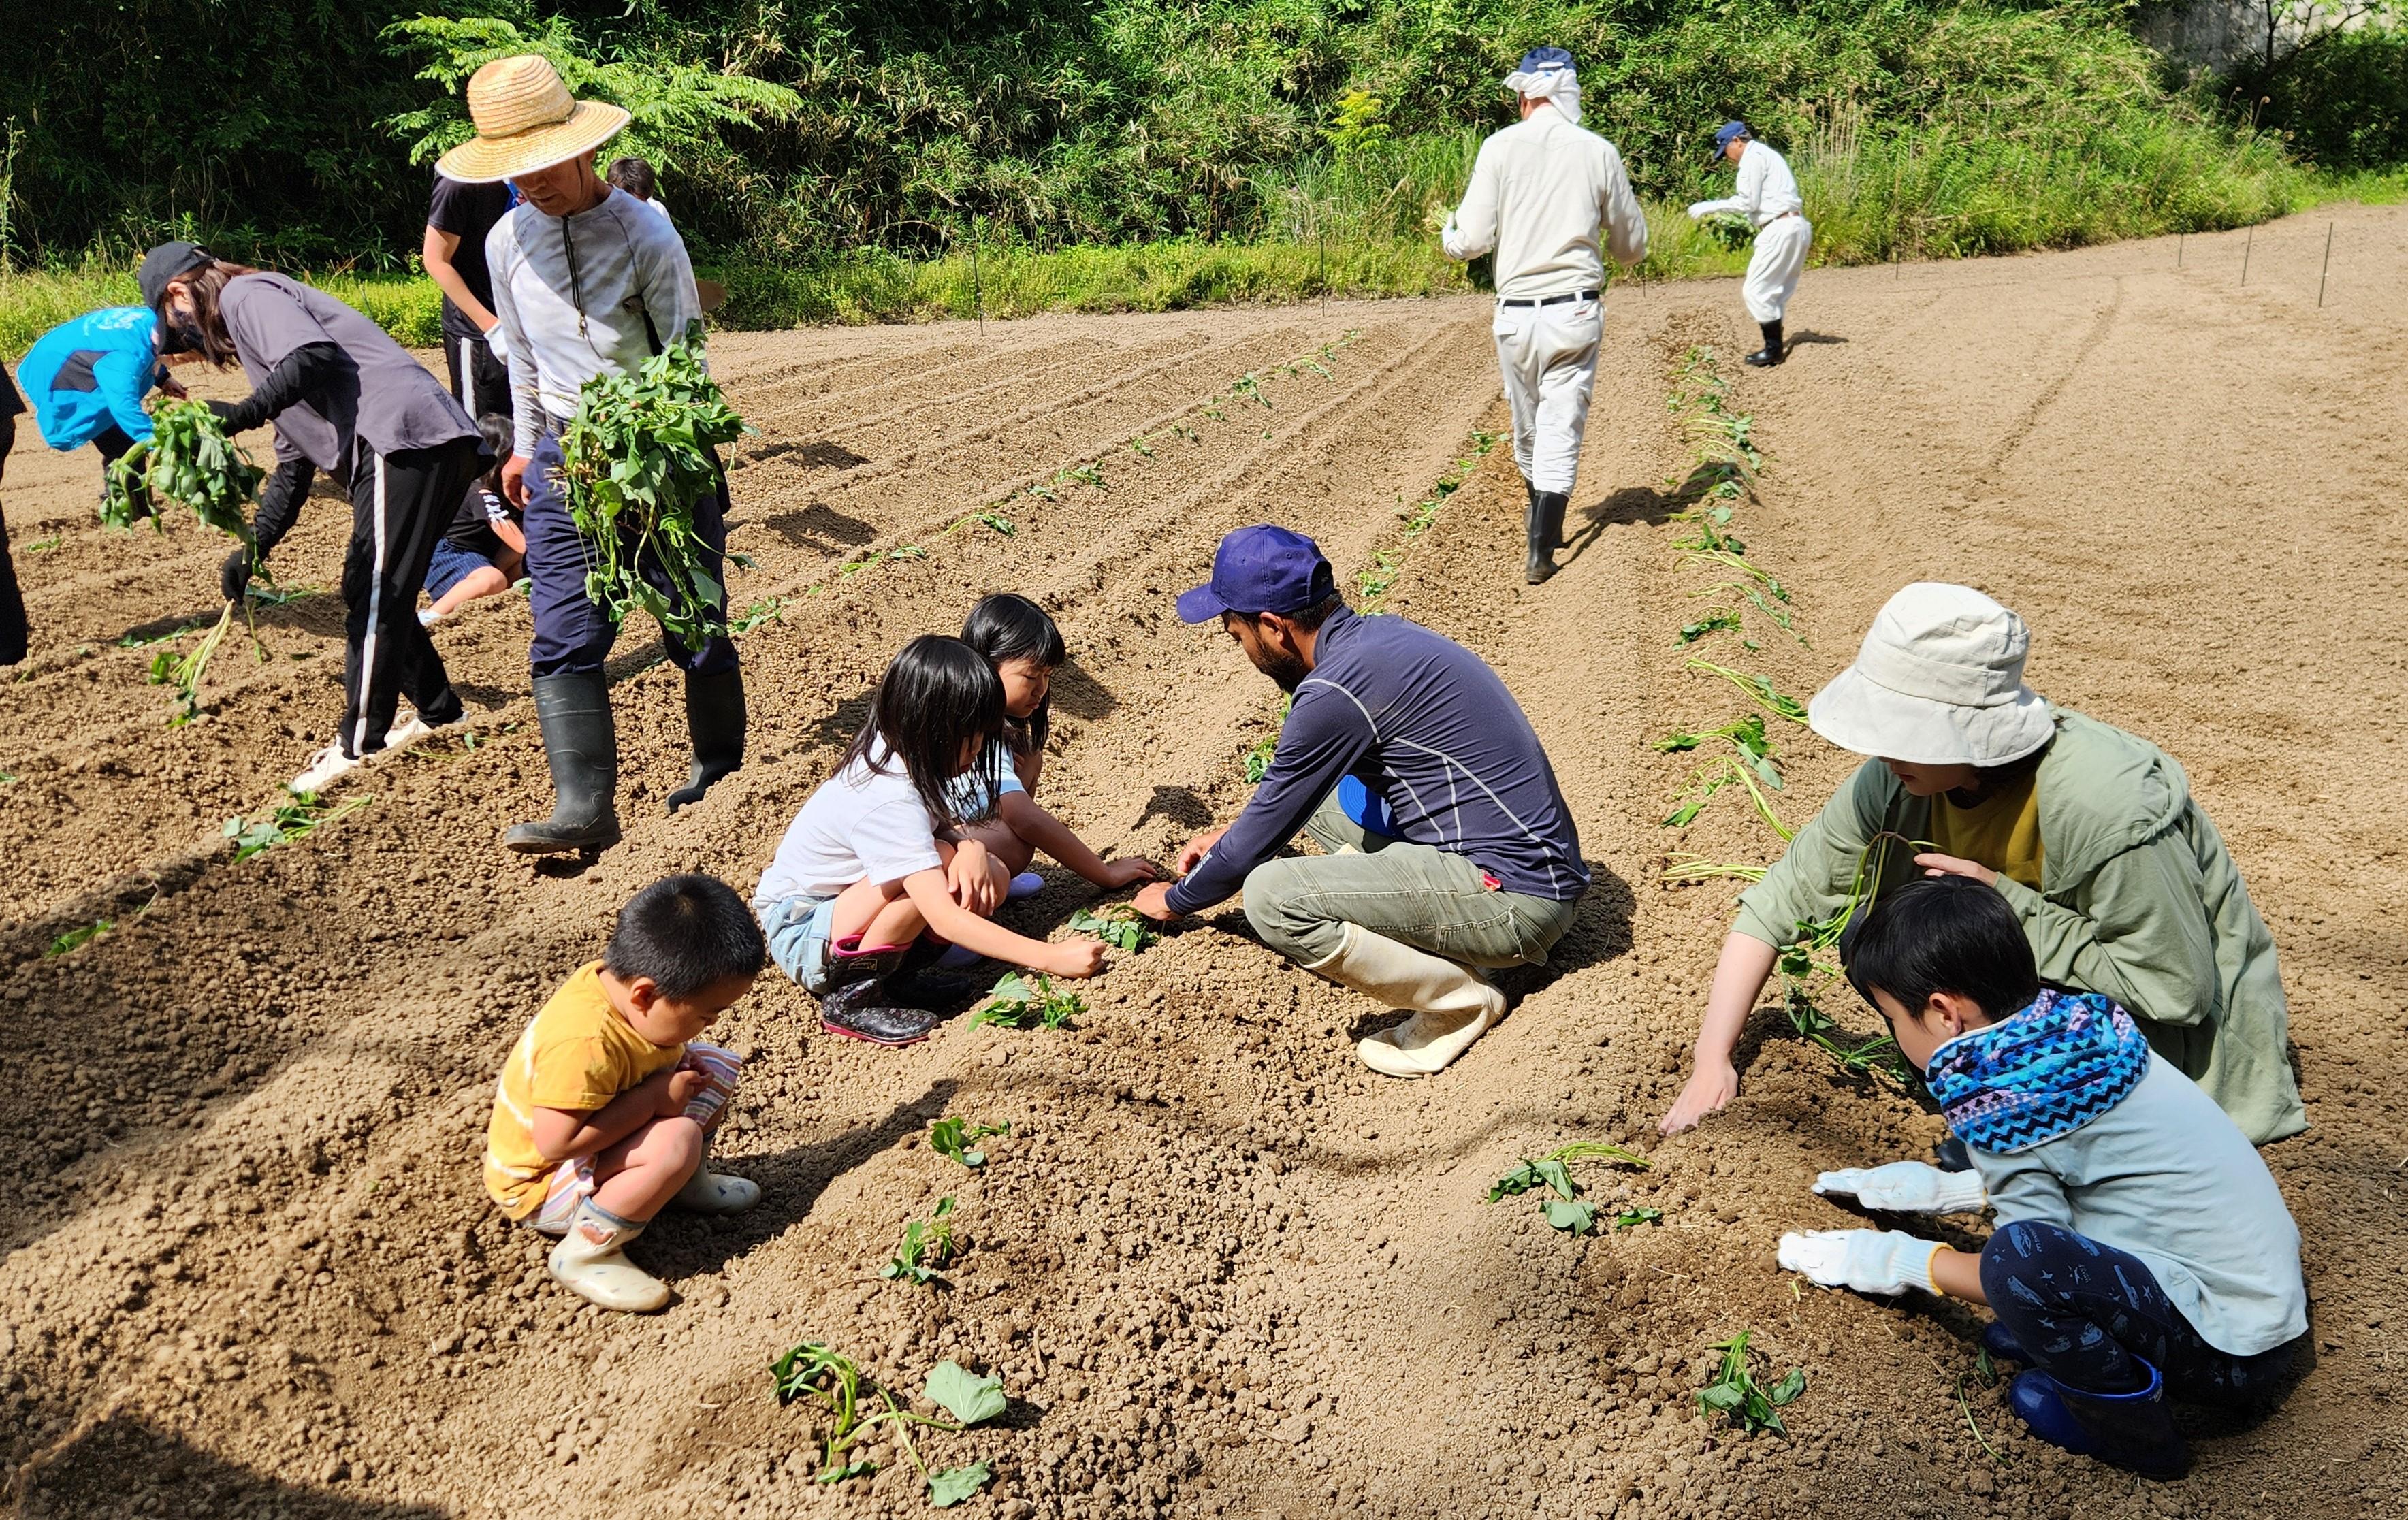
x: 634, y: 461
x: 189, y: 459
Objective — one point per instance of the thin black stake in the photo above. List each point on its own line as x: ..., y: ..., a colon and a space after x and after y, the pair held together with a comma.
x: 1321, y: 232
x: 2178, y: 250
x: 2245, y: 247
x: 977, y: 288
x: 2327, y: 268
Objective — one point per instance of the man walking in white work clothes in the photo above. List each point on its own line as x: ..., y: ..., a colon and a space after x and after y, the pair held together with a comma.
x: 1545, y: 194
x: 1767, y: 198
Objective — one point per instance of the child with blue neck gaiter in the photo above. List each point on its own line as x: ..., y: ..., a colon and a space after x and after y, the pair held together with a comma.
x: 2142, y: 1252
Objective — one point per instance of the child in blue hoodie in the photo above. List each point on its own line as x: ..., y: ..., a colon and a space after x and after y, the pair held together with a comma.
x: 87, y: 379
x: 2143, y: 1251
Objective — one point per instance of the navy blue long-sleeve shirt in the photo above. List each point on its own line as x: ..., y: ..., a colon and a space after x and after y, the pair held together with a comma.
x: 1427, y: 726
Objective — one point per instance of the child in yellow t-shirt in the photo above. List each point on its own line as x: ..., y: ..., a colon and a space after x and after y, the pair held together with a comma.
x: 606, y: 1106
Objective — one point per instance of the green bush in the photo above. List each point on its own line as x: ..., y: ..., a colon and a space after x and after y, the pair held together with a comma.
x: 2341, y: 100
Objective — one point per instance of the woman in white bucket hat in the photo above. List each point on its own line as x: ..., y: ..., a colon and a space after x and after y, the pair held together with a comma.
x: 2123, y: 885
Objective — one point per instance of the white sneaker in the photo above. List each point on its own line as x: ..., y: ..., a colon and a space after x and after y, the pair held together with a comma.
x: 428, y: 617
x: 409, y: 730
x: 326, y: 766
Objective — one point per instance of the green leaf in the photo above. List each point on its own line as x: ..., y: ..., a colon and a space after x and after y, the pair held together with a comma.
x: 955, y: 1485
x: 1570, y: 1215
x: 859, y: 1468
x: 1520, y: 1180
x: 970, y: 1399
x: 1722, y: 1396
x: 1788, y: 1388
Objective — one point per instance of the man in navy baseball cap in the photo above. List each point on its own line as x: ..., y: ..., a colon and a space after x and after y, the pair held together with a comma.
x: 1447, y: 847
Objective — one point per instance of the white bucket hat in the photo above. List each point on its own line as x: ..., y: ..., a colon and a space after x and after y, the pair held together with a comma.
x: 1940, y: 681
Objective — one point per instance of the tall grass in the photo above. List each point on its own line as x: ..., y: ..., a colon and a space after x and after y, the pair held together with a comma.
x: 34, y: 301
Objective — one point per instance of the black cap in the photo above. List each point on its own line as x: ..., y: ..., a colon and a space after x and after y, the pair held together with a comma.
x: 163, y: 264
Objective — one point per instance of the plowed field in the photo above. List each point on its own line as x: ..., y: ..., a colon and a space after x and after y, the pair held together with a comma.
x: 1221, y: 1267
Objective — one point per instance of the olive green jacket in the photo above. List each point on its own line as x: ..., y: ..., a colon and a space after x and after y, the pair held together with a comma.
x: 2138, y: 900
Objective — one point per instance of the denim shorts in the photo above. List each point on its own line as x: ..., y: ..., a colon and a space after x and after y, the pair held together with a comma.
x: 452, y: 565
x: 799, y: 929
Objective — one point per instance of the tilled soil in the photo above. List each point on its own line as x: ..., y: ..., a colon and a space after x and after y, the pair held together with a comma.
x: 1220, y: 1269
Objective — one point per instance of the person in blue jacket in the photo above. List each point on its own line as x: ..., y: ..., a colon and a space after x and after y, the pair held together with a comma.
x: 87, y: 379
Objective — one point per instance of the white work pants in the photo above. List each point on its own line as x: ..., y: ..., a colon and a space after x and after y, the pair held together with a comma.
x: 1772, y: 270
x: 1548, y: 354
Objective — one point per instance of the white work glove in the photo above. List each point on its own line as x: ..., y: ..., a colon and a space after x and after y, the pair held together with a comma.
x: 1699, y: 210
x: 1907, y: 1187
x: 1883, y: 1261
x: 499, y: 342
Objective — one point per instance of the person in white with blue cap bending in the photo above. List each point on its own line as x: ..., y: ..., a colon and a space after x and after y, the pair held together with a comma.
x: 1544, y: 193
x: 1767, y: 198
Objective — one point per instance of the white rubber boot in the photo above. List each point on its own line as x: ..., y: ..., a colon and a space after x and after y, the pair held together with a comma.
x: 1451, y: 1005
x: 708, y: 1192
x: 590, y: 1261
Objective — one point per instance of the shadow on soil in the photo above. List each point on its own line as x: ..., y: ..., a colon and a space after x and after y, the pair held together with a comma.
x: 125, y: 1465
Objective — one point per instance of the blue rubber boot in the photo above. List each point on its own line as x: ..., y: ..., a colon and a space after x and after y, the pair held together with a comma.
x: 2002, y: 1344
x: 2128, y: 1430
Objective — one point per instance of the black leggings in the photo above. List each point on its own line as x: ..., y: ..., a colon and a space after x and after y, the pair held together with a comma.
x: 2082, y: 1311
x: 13, y: 630
x: 401, y: 503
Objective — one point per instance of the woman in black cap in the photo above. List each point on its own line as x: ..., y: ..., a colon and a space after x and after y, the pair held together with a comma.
x: 345, y: 398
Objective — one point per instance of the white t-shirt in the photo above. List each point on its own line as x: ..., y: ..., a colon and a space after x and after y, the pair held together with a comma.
x: 861, y: 826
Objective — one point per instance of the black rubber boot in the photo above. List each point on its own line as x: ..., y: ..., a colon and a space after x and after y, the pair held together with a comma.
x: 1772, y: 352
x: 1554, y: 504
x: 714, y: 719
x: 581, y: 743
x: 1540, y: 564
x: 859, y: 1007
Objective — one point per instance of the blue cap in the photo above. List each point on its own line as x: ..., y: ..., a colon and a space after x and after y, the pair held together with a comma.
x: 1261, y: 569
x: 1538, y: 59
x: 1730, y: 130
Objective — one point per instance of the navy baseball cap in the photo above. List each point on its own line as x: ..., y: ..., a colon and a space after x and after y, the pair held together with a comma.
x: 1261, y: 569
x: 1539, y: 59
x: 163, y: 264
x: 1730, y: 130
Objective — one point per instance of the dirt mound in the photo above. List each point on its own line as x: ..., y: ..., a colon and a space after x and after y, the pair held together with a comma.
x: 1220, y: 1268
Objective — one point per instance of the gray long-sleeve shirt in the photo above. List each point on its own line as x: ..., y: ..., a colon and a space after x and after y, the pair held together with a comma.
x: 2165, y: 1176
x: 572, y: 293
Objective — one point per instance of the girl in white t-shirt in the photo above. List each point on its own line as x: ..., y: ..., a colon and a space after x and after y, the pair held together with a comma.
x: 1025, y: 649
x: 877, y: 856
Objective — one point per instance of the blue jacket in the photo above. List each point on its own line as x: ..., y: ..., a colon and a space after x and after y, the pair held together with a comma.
x: 1429, y: 730
x: 91, y: 373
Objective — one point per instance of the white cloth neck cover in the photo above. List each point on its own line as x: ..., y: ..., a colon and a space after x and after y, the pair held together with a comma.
x: 1556, y: 85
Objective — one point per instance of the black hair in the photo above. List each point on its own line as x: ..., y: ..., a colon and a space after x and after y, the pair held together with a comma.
x: 1942, y: 934
x: 635, y: 176
x: 1304, y: 619
x: 1004, y: 626
x: 937, y: 695
x: 685, y: 933
x: 500, y: 441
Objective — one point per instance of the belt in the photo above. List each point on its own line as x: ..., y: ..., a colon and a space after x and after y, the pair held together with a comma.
x: 1778, y: 218
x: 1550, y: 300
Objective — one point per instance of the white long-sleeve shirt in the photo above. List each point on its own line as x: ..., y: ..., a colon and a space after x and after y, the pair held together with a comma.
x: 1545, y: 194
x: 629, y: 263
x: 1766, y: 189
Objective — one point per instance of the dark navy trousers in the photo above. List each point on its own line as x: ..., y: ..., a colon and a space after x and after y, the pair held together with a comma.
x: 2083, y: 1311
x: 571, y: 634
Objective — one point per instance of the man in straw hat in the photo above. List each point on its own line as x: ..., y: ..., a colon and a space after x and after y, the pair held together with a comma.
x: 1545, y: 194
x: 2090, y: 834
x: 586, y: 282
x: 1766, y: 194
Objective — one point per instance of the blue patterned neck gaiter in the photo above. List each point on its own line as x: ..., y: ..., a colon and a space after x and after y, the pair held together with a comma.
x: 2042, y: 1073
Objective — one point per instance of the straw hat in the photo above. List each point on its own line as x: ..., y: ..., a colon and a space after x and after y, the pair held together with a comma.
x: 1940, y: 681
x: 526, y: 120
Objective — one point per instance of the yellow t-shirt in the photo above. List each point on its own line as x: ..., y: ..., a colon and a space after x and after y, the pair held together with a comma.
x: 2002, y: 831
x: 577, y: 1056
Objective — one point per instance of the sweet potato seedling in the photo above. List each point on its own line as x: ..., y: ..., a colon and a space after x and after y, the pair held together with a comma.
x: 1687, y: 869
x: 1735, y: 1391
x: 1022, y: 1001
x: 837, y: 1384
x: 189, y: 459
x: 288, y: 821
x: 928, y: 1247
x: 951, y: 1138
x: 768, y: 609
x: 1566, y: 1210
x: 1631, y: 1218
x: 76, y: 939
x: 1760, y: 690
x: 1117, y: 924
